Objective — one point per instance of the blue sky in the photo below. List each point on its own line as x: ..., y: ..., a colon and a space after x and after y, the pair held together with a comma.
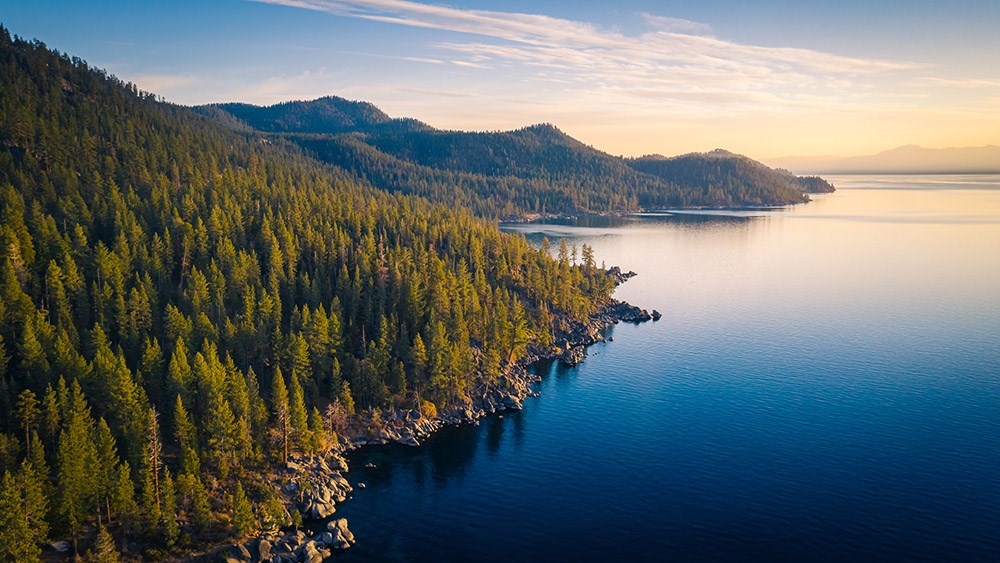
x: 766, y: 79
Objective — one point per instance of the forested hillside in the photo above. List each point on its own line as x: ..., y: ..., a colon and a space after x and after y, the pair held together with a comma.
x: 325, y: 115
x: 181, y: 303
x: 537, y: 169
x: 735, y: 179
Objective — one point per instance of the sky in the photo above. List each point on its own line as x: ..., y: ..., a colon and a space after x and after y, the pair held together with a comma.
x: 769, y: 78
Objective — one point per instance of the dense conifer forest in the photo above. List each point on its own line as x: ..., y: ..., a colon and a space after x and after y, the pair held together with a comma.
x: 720, y: 175
x: 184, y: 301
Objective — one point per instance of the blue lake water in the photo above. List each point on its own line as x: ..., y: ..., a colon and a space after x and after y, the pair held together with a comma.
x: 824, y: 385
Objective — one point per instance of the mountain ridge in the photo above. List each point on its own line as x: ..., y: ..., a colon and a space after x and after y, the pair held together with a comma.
x: 537, y: 169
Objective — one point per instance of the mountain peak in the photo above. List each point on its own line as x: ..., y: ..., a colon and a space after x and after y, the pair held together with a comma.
x: 329, y: 114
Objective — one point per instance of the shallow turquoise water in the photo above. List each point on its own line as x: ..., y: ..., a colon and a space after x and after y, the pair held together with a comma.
x: 824, y: 385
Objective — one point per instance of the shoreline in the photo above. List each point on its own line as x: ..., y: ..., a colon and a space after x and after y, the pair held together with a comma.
x: 314, y: 484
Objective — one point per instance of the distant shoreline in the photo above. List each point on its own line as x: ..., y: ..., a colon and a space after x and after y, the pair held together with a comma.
x: 894, y: 173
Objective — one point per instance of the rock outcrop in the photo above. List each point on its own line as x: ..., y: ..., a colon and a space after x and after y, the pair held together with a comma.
x: 292, y: 546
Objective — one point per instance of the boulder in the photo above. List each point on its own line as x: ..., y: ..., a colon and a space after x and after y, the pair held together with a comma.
x: 310, y: 554
x: 344, y: 532
x: 321, y: 510
x: 238, y: 553
x: 338, y: 464
x: 326, y: 538
x: 340, y: 536
x: 264, y: 550
x: 335, y: 540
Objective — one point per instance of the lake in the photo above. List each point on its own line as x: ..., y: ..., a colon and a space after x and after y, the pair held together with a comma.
x: 824, y: 385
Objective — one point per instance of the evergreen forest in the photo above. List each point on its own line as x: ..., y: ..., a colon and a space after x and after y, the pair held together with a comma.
x: 183, y: 302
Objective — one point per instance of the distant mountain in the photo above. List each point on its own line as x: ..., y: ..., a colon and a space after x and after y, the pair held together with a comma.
x: 905, y: 159
x: 325, y: 115
x: 536, y: 169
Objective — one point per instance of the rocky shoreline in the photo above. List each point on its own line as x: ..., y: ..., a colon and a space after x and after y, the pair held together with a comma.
x: 314, y: 485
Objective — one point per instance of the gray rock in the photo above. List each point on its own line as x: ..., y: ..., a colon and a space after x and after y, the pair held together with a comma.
x: 310, y: 554
x: 344, y: 532
x: 335, y: 539
x: 237, y: 554
x: 323, y: 510
x: 326, y: 538
x: 339, y: 464
x: 60, y: 546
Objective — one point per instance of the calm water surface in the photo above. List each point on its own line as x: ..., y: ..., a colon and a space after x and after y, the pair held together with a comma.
x: 824, y: 385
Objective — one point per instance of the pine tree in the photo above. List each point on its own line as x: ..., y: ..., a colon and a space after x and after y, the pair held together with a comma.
x: 51, y: 415
x: 40, y: 464
x: 200, y: 510
x: 316, y: 431
x: 14, y: 532
x: 299, y: 364
x: 169, y: 511
x: 297, y: 407
x: 23, y: 505
x: 151, y: 469
x: 179, y: 376
x: 346, y: 399
x: 279, y: 406
x: 244, y: 522
x: 104, y: 548
x: 28, y: 414
x: 60, y: 313
x: 34, y: 364
x: 123, y: 496
x: 76, y: 457
x: 32, y: 481
x: 184, y: 436
x: 105, y: 470
x: 222, y: 434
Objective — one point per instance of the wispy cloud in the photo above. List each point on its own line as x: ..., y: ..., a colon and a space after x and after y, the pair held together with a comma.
x: 675, y: 58
x: 437, y: 93
x: 165, y: 84
x: 962, y: 83
x: 675, y: 24
x: 301, y: 86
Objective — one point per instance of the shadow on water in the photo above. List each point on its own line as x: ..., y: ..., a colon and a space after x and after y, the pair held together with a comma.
x: 444, y: 456
x: 448, y: 453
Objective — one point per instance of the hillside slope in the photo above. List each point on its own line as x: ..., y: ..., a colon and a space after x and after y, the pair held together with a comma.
x: 722, y: 175
x: 537, y: 169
